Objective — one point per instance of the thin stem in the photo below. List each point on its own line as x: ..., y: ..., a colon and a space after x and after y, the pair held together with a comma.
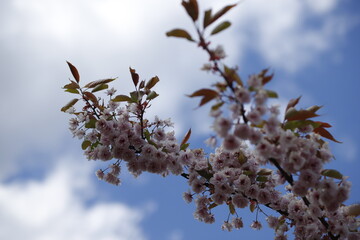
x: 87, y: 101
x: 204, y: 45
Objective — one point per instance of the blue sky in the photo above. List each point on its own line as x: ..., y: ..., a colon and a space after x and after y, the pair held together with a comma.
x: 48, y: 189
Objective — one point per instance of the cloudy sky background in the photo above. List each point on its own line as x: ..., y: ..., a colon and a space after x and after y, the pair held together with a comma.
x: 47, y: 187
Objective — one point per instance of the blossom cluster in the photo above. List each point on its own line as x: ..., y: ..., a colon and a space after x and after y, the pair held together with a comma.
x: 116, y: 136
x: 261, y: 160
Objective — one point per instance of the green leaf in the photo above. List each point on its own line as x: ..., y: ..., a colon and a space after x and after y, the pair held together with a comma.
x: 217, y: 106
x: 152, y: 95
x: 71, y: 90
x: 292, y: 125
x: 332, y: 173
x: 134, y: 96
x: 91, y: 123
x: 191, y: 8
x: 74, y: 72
x: 264, y: 172
x: 85, y: 144
x: 180, y: 33
x: 121, y: 98
x: 72, y: 85
x: 261, y: 179
x: 271, y: 94
x: 222, y: 26
x: 212, y: 205
x: 100, y: 87
x: 98, y: 82
x: 134, y: 76
x: 69, y: 105
x: 205, y: 174
x: 242, y: 158
x: 151, y: 83
x: 147, y: 134
x: 183, y: 147
x: 248, y: 172
x: 231, y: 208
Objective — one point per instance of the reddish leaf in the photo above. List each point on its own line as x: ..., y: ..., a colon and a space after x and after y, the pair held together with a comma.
x: 325, y: 133
x: 134, y: 76
x: 208, y: 95
x: 207, y: 18
x: 90, y: 96
x: 204, y: 92
x: 180, y: 33
x: 232, y: 75
x: 299, y: 114
x: 323, y: 124
x: 206, y: 99
x: 292, y: 103
x: 98, y: 82
x: 191, y: 8
x: 221, y: 12
x: 252, y: 206
x: 74, y: 72
x: 186, y: 138
x: 265, y: 78
x: 142, y: 84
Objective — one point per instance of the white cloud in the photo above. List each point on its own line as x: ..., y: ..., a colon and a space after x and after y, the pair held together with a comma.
x: 55, y: 208
x: 321, y: 6
x: 291, y: 34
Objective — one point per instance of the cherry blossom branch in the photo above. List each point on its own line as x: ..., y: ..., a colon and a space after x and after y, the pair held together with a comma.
x: 213, y: 58
x: 290, y: 180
